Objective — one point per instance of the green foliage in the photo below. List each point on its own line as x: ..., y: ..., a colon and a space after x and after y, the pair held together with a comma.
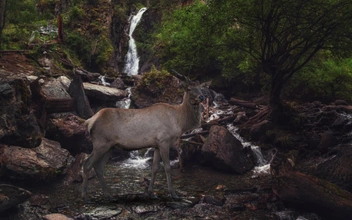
x: 79, y: 45
x: 325, y: 80
x: 186, y: 40
x: 76, y: 13
x: 157, y: 83
x: 104, y: 50
x: 155, y: 78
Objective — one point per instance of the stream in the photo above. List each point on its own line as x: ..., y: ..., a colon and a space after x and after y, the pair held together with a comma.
x: 204, y: 194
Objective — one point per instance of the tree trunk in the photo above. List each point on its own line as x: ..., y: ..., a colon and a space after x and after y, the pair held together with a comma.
x: 275, y: 93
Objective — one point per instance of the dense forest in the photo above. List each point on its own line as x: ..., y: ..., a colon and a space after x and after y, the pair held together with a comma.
x: 293, y: 49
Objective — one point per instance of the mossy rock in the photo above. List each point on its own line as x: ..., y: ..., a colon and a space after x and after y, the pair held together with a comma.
x: 156, y: 86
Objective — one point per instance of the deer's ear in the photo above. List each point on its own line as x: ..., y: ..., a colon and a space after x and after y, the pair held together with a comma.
x: 206, y: 84
x: 184, y: 85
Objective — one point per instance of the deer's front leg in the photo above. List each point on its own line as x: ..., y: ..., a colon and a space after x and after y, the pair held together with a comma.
x: 155, y: 169
x: 164, y: 153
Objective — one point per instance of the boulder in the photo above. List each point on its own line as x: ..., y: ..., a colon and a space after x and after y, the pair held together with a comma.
x: 338, y: 168
x: 155, y: 87
x: 327, y: 141
x: 70, y: 132
x: 43, y: 162
x: 81, y: 102
x: 18, y: 124
x: 118, y: 84
x: 11, y: 196
x: 224, y: 152
x: 103, y: 93
x: 55, y: 96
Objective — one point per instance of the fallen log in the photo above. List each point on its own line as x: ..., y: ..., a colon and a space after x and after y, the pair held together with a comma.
x: 243, y: 103
x: 309, y: 192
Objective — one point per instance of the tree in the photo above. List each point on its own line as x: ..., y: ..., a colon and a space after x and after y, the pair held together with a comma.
x: 282, y: 36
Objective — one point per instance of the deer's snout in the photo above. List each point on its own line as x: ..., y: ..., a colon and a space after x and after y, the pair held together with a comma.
x: 201, y: 98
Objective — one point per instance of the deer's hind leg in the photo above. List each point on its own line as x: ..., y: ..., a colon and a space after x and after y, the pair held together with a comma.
x: 95, y: 157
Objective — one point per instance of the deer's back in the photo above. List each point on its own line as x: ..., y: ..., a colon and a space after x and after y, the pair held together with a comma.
x: 137, y: 128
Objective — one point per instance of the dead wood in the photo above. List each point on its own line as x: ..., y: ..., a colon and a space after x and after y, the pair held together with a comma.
x: 193, y: 142
x: 259, y: 117
x: 194, y: 134
x: 309, y: 192
x: 243, y: 103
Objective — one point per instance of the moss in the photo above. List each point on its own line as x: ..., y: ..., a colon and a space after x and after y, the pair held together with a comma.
x: 154, y: 82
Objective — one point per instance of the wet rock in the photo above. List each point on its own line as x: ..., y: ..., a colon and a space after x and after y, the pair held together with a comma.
x: 56, y: 216
x: 104, y: 212
x: 142, y: 209
x: 118, y: 84
x: 223, y: 151
x: 340, y: 121
x: 11, y: 196
x: 103, y: 93
x: 70, y: 132
x: 258, y: 130
x: 39, y: 200
x: 43, y: 162
x: 327, y: 140
x: 18, y: 124
x: 338, y: 168
x: 213, y: 200
x: 339, y: 102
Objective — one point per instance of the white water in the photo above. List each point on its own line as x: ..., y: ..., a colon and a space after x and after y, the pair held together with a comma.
x: 125, y: 102
x: 103, y: 81
x: 263, y: 165
x: 132, y: 59
x: 137, y: 161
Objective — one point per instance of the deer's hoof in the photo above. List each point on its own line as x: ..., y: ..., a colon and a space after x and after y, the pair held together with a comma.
x: 152, y: 195
x: 174, y: 196
x: 109, y: 197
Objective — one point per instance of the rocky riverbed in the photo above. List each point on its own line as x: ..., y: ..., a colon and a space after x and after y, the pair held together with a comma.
x: 204, y: 194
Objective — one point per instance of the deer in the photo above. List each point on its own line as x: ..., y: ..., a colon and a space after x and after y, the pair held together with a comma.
x: 159, y: 126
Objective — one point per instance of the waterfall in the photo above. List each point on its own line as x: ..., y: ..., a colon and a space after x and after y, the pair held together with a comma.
x: 132, y: 59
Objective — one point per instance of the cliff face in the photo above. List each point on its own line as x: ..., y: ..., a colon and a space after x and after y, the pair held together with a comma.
x: 110, y: 19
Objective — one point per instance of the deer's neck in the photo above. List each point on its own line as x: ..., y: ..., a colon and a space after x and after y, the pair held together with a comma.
x: 190, y: 114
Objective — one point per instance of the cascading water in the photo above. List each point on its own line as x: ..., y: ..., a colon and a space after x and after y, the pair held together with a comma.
x: 262, y: 164
x: 132, y: 59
